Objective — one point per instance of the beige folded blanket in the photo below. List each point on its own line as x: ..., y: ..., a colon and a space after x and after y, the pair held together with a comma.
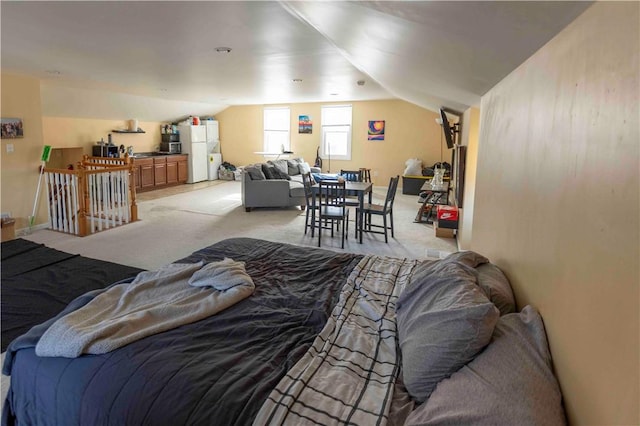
x: 154, y: 302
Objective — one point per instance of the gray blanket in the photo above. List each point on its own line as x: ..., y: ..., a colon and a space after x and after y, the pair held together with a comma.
x: 154, y: 302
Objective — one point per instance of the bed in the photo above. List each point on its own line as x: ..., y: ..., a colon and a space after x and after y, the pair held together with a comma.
x: 38, y: 282
x: 326, y: 338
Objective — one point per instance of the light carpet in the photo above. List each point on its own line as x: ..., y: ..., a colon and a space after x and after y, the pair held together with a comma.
x: 195, y: 216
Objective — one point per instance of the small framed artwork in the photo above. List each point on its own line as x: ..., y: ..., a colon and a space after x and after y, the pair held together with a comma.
x: 376, y: 130
x: 11, y: 128
x: 304, y: 124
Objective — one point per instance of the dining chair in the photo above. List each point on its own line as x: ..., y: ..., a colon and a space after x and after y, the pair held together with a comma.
x: 384, y: 210
x: 351, y: 200
x: 366, y: 174
x: 352, y: 175
x: 332, y: 209
x: 311, y: 219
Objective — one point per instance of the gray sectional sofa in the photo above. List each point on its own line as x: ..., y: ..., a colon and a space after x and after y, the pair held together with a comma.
x: 274, y: 184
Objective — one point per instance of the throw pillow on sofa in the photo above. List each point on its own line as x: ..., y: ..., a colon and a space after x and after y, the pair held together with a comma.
x: 272, y: 172
x: 293, y: 167
x: 280, y: 165
x: 255, y: 172
x: 304, y: 167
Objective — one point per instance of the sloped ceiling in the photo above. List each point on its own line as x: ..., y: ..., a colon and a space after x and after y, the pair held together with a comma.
x: 158, y: 60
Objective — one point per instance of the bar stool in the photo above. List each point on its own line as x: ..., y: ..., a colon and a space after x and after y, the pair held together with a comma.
x: 366, y: 174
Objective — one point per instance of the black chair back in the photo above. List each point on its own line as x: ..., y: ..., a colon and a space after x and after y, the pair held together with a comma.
x: 331, y: 194
x: 352, y: 175
x: 391, y: 192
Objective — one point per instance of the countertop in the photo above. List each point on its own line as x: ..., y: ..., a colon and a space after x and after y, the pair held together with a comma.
x: 151, y: 154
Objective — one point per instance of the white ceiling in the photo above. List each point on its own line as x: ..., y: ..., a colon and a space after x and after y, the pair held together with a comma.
x: 432, y: 53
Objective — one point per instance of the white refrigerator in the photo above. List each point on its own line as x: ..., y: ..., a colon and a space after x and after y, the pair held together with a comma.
x: 193, y: 140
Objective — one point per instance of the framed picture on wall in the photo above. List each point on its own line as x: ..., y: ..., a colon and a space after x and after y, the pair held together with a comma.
x: 376, y: 130
x: 11, y: 128
x: 304, y: 124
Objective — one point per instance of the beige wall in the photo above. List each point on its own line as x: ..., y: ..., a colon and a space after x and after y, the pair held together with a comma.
x: 411, y: 132
x: 470, y: 134
x: 21, y: 99
x: 67, y: 132
x: 557, y: 204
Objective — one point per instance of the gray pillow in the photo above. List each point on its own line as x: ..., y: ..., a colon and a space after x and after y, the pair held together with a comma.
x: 272, y: 172
x: 497, y: 288
x: 443, y: 321
x: 280, y: 165
x: 293, y: 167
x: 268, y: 171
x: 255, y: 172
x: 510, y: 382
x: 304, y: 168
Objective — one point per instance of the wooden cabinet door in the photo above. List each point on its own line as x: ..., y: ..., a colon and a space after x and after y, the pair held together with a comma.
x: 136, y: 176
x: 183, y: 169
x: 160, y: 174
x: 146, y: 172
x: 172, y: 170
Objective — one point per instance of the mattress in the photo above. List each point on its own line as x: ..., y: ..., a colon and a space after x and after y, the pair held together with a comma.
x: 38, y: 282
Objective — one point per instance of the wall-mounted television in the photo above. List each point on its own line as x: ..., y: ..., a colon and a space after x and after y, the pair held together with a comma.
x: 448, y: 130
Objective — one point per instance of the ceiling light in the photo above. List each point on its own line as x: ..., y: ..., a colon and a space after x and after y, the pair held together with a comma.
x: 360, y: 82
x: 297, y: 80
x: 333, y: 94
x: 223, y: 49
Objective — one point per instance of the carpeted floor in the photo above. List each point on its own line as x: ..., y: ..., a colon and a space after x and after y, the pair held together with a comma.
x: 176, y: 221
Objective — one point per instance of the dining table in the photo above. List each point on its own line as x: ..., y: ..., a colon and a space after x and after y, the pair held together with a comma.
x: 360, y: 189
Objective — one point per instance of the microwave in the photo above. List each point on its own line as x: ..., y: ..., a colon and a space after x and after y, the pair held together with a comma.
x: 171, y: 147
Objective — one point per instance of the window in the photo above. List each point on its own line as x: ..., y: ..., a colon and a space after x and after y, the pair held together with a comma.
x: 336, y: 132
x: 276, y: 130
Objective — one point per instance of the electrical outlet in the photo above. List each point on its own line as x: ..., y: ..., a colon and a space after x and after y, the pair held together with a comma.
x: 9, y: 147
x: 375, y: 173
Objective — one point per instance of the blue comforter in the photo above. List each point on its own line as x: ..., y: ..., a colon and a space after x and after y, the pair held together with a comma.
x: 216, y: 371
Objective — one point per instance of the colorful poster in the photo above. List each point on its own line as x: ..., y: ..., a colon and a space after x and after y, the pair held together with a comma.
x: 376, y: 130
x: 304, y: 124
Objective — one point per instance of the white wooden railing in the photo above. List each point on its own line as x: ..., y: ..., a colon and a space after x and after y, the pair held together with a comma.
x: 99, y: 195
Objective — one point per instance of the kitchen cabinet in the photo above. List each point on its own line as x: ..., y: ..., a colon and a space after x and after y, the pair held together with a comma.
x: 183, y: 169
x: 172, y: 170
x: 145, y: 173
x: 159, y: 171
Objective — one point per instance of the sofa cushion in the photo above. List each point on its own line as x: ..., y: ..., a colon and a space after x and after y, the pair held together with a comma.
x: 272, y: 172
x: 443, y: 319
x: 293, y: 167
x: 255, y: 172
x: 304, y: 168
x: 296, y: 189
x: 268, y: 171
x: 280, y: 165
x: 510, y: 382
